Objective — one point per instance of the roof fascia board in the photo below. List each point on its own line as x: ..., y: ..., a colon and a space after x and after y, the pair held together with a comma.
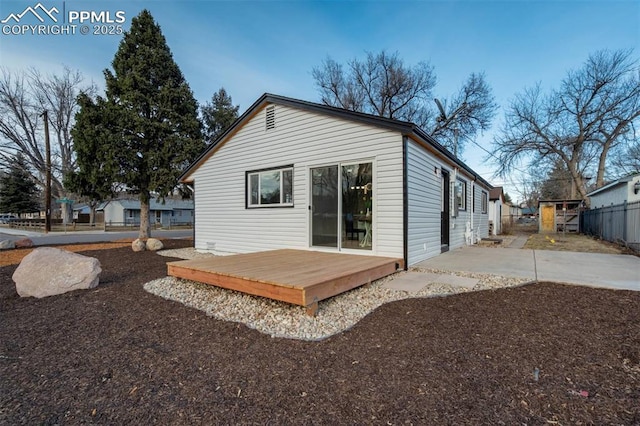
x: 611, y: 185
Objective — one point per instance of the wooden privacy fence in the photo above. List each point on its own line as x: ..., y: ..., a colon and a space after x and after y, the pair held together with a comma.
x: 619, y: 224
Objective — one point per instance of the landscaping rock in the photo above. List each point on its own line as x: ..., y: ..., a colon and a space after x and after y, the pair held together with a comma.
x: 138, y: 245
x: 7, y: 244
x: 154, y: 244
x: 48, y: 271
x: 24, y: 243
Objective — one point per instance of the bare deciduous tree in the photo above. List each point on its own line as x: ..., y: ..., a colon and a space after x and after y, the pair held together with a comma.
x: 627, y: 159
x: 382, y: 85
x: 468, y: 112
x: 580, y: 124
x: 24, y: 95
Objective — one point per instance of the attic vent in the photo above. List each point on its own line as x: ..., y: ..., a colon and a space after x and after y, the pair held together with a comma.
x: 270, y: 119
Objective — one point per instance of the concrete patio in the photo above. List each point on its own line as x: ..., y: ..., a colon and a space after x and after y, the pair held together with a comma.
x: 591, y: 269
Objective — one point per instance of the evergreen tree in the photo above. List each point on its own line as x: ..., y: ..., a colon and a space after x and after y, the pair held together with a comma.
x: 96, y: 166
x: 557, y: 184
x: 18, y: 192
x: 218, y: 115
x: 149, y: 116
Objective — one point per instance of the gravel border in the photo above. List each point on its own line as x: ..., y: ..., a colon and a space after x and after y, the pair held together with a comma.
x: 280, y: 319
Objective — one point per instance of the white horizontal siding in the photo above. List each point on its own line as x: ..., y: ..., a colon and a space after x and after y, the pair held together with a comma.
x: 424, y: 189
x: 462, y: 222
x: 616, y: 195
x: 424, y: 193
x: 480, y: 219
x: 305, y: 140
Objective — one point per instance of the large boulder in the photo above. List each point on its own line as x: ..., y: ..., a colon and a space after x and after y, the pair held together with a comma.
x: 48, y: 271
x: 154, y: 244
x: 7, y: 244
x: 138, y: 245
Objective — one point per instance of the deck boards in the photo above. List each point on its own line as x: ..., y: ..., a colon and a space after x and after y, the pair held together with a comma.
x: 300, y: 277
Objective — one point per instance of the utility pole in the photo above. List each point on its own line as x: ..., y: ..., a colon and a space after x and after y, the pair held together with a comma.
x: 47, y: 189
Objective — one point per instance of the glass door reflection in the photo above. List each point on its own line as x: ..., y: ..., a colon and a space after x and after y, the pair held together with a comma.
x: 357, y: 206
x: 324, y: 206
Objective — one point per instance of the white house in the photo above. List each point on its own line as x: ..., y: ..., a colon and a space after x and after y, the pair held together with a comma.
x: 624, y: 189
x: 496, y: 202
x: 295, y: 174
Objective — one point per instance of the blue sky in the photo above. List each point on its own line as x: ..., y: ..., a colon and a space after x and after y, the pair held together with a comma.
x: 252, y: 47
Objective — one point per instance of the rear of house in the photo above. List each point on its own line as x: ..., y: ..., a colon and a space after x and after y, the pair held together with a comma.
x: 293, y: 174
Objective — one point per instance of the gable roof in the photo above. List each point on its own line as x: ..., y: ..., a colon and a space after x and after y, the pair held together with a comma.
x: 614, y: 184
x: 496, y: 193
x: 404, y: 127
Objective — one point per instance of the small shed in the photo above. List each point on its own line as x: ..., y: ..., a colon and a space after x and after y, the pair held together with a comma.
x: 559, y: 215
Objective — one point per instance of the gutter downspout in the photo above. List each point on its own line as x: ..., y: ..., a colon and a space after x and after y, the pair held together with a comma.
x: 405, y: 205
x: 473, y: 209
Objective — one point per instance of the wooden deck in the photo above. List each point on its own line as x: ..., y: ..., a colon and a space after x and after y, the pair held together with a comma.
x: 300, y: 277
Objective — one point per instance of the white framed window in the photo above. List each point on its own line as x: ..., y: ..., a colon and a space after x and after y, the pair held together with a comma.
x: 485, y: 202
x: 270, y: 187
x: 461, y: 194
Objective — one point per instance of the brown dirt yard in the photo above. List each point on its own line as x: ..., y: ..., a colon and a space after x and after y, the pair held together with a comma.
x: 572, y: 242
x: 119, y: 355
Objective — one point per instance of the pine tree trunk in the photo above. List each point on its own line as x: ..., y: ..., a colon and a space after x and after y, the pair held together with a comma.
x: 92, y: 214
x: 145, y: 227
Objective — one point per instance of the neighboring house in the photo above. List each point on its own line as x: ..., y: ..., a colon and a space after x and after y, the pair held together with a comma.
x: 530, y: 212
x: 614, y: 212
x: 626, y: 189
x: 295, y: 174
x: 127, y: 211
x: 510, y: 213
x: 496, y: 202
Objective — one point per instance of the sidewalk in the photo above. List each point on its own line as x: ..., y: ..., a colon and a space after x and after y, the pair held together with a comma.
x: 95, y: 236
x: 590, y: 269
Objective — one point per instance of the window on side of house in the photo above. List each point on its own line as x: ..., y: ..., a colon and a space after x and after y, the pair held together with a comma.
x: 270, y: 188
x: 485, y: 202
x: 461, y: 194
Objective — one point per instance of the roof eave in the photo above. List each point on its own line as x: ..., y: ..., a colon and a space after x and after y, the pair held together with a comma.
x: 405, y: 128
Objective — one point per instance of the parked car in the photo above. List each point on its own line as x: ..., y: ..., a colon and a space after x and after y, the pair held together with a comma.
x: 5, y: 218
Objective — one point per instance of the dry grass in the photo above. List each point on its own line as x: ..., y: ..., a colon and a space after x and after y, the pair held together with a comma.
x: 15, y: 256
x: 571, y: 242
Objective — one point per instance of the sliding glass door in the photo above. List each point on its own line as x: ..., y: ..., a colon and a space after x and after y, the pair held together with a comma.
x: 342, y: 206
x: 324, y: 206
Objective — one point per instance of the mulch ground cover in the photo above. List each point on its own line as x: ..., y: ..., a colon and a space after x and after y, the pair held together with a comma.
x: 538, y: 354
